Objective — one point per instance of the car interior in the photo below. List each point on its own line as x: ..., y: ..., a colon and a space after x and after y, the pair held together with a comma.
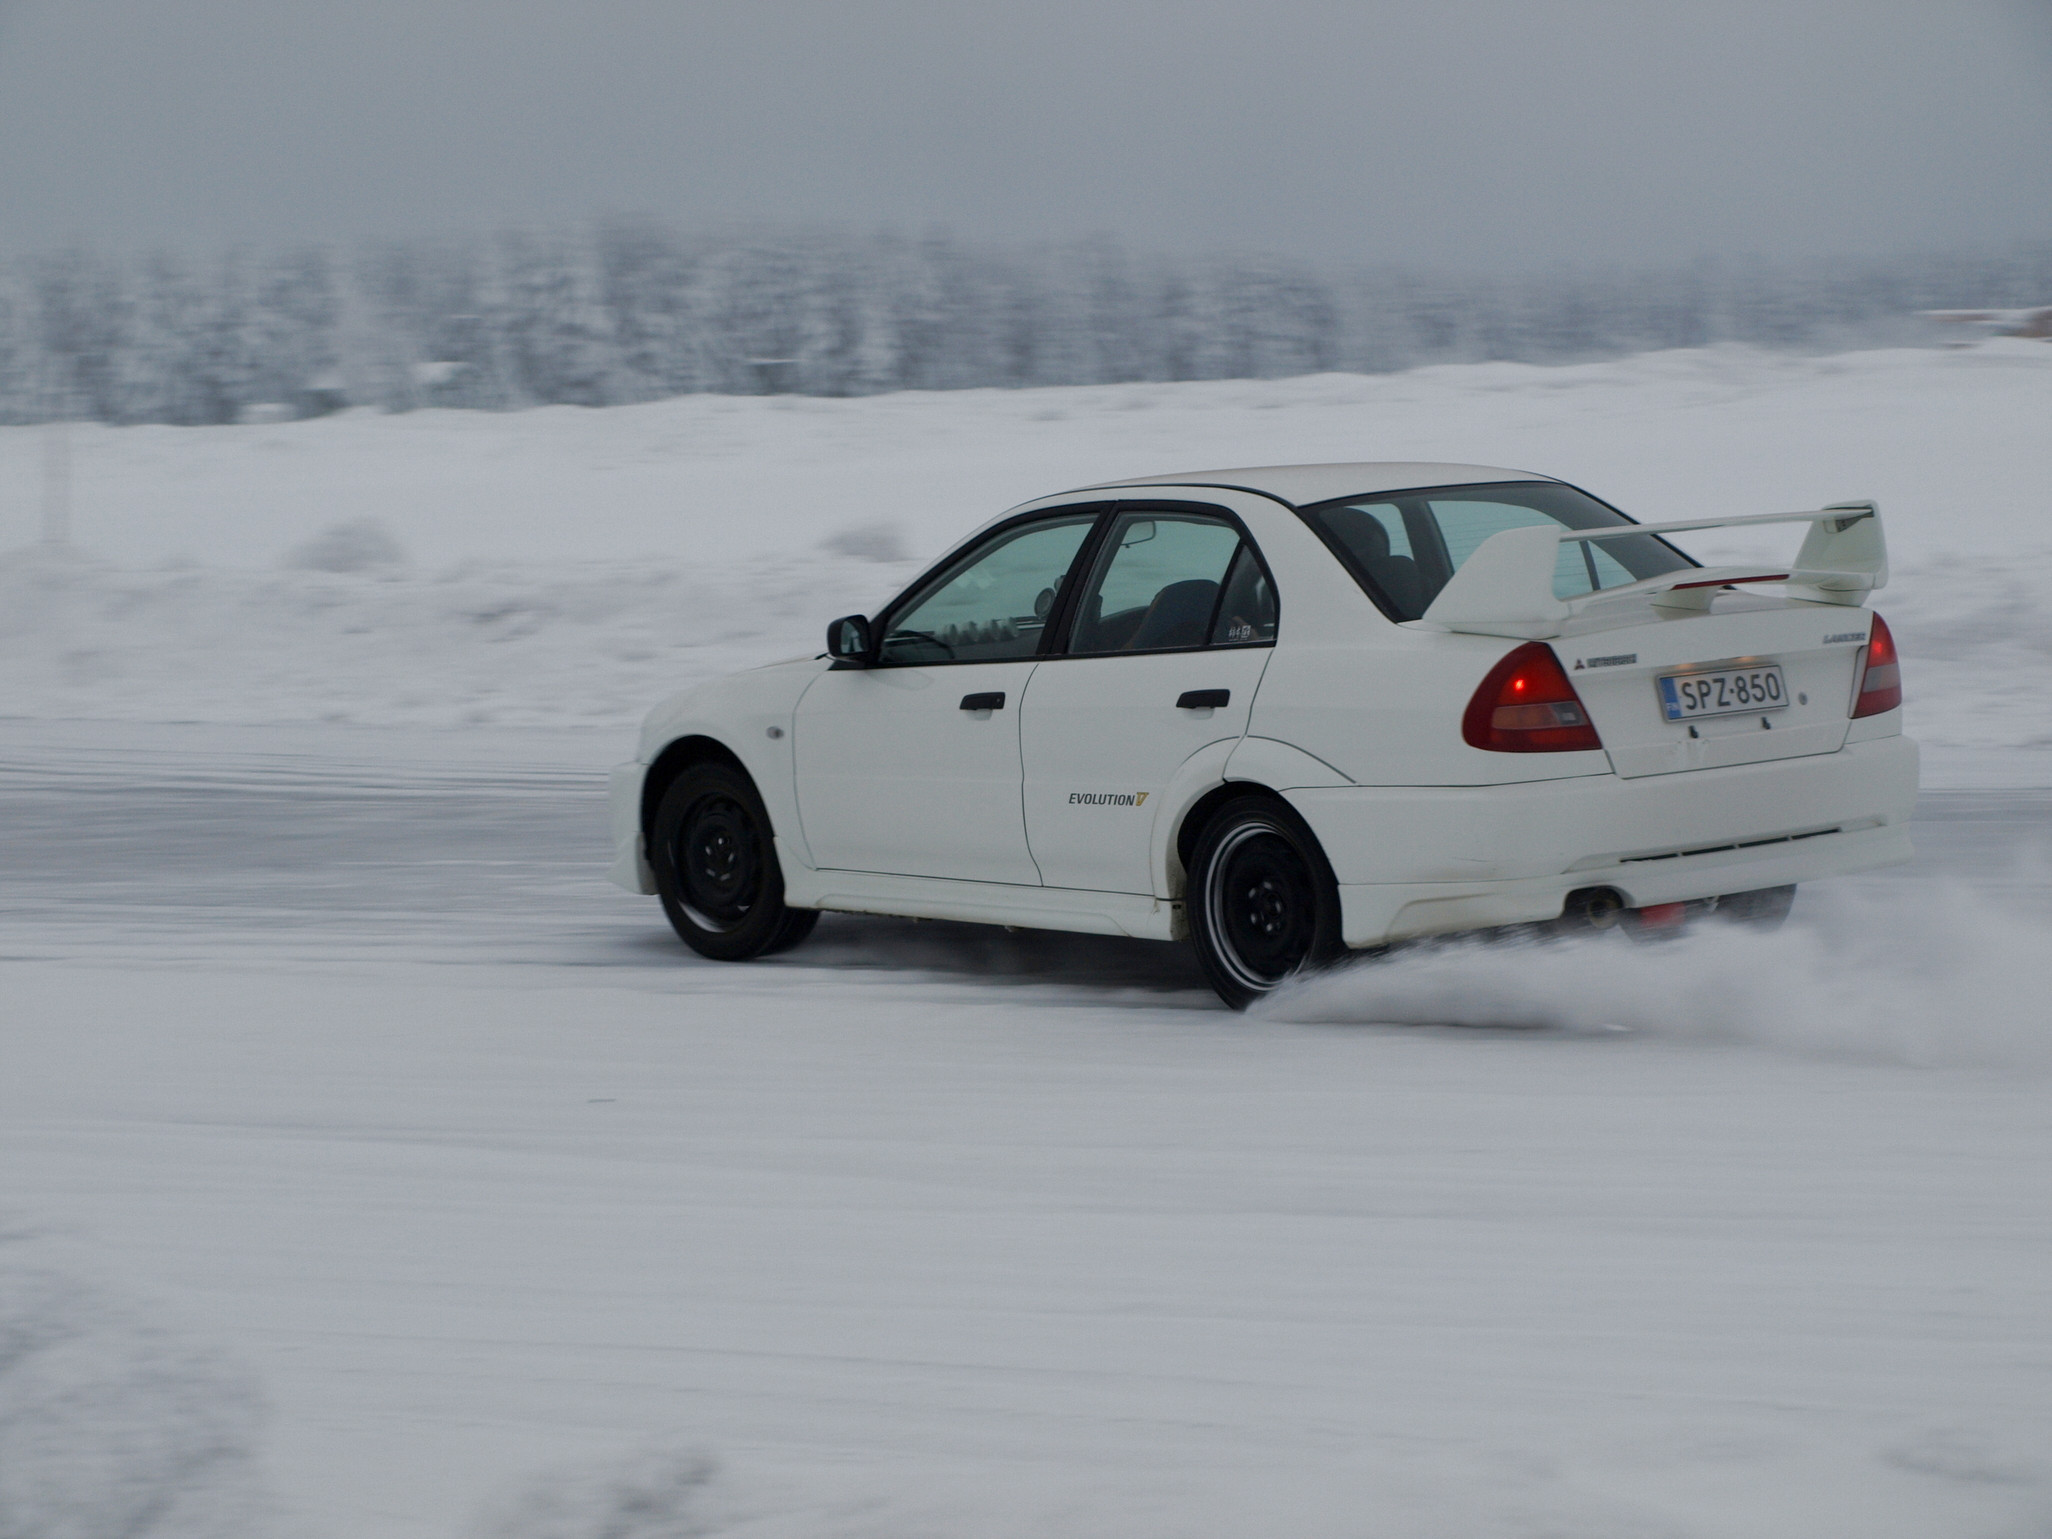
x: 1179, y: 615
x: 1399, y: 576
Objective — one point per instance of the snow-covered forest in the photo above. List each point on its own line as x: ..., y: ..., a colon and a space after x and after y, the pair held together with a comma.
x: 630, y: 311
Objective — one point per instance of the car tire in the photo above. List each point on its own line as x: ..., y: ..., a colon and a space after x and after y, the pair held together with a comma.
x: 1764, y: 908
x: 1261, y: 899
x: 716, y: 870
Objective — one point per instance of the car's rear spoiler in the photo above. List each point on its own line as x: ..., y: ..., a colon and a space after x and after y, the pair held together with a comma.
x: 1506, y: 587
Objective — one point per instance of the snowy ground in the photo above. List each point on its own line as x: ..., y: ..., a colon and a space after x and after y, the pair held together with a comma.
x: 368, y: 1167
x: 336, y: 1050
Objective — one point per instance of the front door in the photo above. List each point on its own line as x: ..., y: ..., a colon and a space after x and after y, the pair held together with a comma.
x: 911, y: 766
x: 1168, y: 643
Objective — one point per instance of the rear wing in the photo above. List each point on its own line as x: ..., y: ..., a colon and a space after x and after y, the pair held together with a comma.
x: 1506, y: 587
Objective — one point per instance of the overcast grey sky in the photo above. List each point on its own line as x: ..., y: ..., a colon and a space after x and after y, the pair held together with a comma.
x: 1484, y: 133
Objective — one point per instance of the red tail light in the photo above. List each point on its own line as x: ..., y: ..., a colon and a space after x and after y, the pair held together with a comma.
x: 1877, y: 685
x: 1527, y: 705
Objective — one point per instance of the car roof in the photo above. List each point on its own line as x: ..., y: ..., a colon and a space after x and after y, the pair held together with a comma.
x: 1302, y: 484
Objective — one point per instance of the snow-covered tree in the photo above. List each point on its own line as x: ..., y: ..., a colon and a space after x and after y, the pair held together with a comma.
x: 633, y: 311
x: 551, y: 327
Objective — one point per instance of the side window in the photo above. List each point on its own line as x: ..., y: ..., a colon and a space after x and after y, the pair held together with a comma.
x: 1247, y: 612
x: 1157, y: 584
x: 1376, y: 535
x: 993, y: 603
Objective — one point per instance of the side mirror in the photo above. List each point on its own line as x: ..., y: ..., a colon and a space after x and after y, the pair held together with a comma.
x: 848, y: 639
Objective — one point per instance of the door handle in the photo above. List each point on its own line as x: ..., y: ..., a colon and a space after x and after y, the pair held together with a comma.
x: 1202, y: 699
x: 989, y: 700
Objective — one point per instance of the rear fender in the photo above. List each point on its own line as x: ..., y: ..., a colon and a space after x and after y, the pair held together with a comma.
x: 1199, y: 775
x: 1280, y: 767
x: 1256, y: 763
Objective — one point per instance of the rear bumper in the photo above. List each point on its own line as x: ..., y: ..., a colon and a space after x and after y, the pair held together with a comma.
x: 630, y: 854
x: 1428, y: 860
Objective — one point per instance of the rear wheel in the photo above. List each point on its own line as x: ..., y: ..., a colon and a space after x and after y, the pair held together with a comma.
x: 1262, y: 902
x: 716, y: 868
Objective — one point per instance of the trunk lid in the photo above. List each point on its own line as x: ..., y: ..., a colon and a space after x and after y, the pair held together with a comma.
x: 1616, y: 652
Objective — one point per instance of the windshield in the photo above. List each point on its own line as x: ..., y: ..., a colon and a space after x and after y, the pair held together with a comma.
x: 1402, y: 547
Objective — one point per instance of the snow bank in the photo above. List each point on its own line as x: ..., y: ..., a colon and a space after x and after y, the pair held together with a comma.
x: 566, y: 567
x: 1953, y: 978
x: 1952, y: 442
x: 111, y: 1425
x: 596, y: 643
x: 479, y: 643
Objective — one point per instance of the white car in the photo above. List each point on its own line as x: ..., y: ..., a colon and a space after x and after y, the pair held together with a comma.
x: 1288, y: 712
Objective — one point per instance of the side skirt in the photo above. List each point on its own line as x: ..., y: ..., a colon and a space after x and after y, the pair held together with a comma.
x: 1030, y: 908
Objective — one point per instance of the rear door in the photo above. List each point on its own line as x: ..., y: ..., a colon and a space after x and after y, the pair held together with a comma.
x: 1167, y: 642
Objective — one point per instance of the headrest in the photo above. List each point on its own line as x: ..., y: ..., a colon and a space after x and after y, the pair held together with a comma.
x: 1364, y: 532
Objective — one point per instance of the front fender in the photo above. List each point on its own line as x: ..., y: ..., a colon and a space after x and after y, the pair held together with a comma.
x: 751, y: 716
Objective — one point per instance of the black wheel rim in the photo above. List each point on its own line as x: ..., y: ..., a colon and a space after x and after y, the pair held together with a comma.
x: 1262, y: 907
x: 719, y: 863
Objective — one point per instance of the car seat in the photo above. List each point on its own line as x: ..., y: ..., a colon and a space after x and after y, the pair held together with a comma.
x: 1178, y: 617
x: 1397, y: 576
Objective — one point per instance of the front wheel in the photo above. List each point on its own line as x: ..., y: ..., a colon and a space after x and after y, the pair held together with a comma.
x: 716, y: 868
x: 1262, y: 902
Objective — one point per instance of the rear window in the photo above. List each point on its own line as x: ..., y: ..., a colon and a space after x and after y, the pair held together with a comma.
x: 1402, y: 547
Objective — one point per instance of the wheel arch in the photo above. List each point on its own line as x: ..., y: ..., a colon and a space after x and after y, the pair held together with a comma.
x: 1213, y: 775
x: 1190, y: 828
x: 677, y: 757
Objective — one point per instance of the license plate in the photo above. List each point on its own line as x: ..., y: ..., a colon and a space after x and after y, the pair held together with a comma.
x: 1723, y: 692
